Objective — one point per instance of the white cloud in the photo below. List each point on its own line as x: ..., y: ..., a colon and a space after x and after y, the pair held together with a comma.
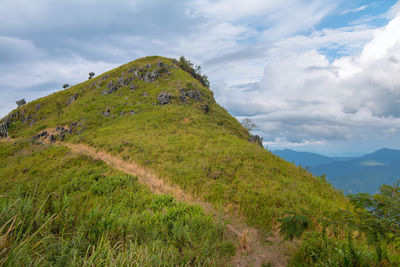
x: 355, y: 10
x: 304, y: 98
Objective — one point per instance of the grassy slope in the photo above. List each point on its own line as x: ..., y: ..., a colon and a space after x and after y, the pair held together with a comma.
x: 74, y: 210
x: 205, y: 153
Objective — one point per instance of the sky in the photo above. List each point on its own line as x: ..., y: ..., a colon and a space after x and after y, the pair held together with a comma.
x: 314, y: 75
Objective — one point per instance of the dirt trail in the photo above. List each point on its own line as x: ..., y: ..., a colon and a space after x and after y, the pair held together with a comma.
x: 251, y: 251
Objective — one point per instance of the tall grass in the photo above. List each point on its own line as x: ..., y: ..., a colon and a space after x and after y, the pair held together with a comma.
x: 86, y: 214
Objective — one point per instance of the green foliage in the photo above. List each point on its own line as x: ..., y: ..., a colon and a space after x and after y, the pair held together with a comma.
x: 61, y: 209
x: 379, y: 217
x: 195, y: 71
x: 317, y: 250
x: 376, y: 218
x: 294, y: 226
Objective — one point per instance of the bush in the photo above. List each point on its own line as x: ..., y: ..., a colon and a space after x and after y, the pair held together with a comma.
x: 20, y: 102
x: 195, y: 71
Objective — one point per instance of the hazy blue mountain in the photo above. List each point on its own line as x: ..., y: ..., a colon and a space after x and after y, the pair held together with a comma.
x: 364, y: 174
x: 352, y: 175
x: 307, y: 159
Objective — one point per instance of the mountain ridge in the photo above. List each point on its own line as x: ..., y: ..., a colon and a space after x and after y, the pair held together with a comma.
x: 154, y: 113
x: 361, y: 174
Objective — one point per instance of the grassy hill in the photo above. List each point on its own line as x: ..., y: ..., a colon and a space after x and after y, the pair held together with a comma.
x: 156, y: 114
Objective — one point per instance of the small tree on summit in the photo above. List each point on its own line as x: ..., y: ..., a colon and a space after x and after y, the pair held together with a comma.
x: 91, y: 75
x: 20, y: 102
x: 66, y: 85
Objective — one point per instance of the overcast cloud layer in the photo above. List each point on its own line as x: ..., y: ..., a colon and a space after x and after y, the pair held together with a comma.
x: 318, y: 75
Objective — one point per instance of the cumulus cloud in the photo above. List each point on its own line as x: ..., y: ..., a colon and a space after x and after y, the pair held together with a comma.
x: 305, y: 98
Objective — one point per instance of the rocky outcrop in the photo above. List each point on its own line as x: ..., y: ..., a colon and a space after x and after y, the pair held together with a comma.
x: 42, y: 135
x: 4, y: 129
x: 107, y: 113
x: 147, y: 73
x: 164, y: 98
x: 256, y: 139
x: 186, y: 94
x: 62, y: 131
x: 111, y: 88
x: 72, y: 99
x: 37, y: 107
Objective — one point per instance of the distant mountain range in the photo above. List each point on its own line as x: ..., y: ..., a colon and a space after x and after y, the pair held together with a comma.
x: 352, y: 175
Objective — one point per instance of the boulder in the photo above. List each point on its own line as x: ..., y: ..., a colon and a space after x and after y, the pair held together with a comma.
x: 41, y: 135
x: 256, y: 139
x: 52, y: 138
x: 32, y: 122
x: 4, y: 129
x: 37, y: 107
x: 71, y: 99
x: 193, y: 94
x: 106, y: 113
x: 132, y: 70
x: 28, y: 118
x: 164, y: 98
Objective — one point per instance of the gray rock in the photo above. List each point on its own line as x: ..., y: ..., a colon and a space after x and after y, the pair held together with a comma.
x: 160, y: 64
x: 104, y: 77
x: 121, y: 114
x: 122, y: 82
x: 32, y: 122
x: 28, y: 118
x: 164, y: 98
x: 133, y: 112
x: 106, y: 113
x: 71, y: 99
x: 37, y: 107
x: 132, y: 70
x: 4, y: 129
x: 22, y: 115
x: 41, y: 135
x: 52, y: 138
x: 148, y: 65
x: 193, y: 94
x: 112, y: 87
x: 145, y: 94
x: 256, y: 139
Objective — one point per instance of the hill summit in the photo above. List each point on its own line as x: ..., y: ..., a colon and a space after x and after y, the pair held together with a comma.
x: 158, y: 114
